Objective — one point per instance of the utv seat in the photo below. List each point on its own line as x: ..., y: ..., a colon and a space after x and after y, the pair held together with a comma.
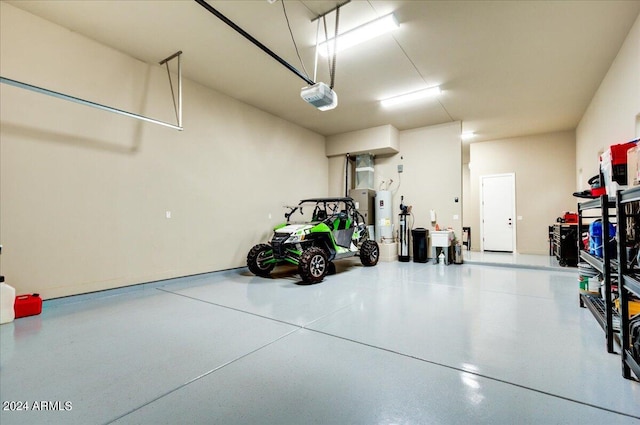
x: 319, y: 215
x: 341, y: 221
x: 342, y: 232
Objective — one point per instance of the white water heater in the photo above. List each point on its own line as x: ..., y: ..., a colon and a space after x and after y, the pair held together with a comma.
x: 384, y: 216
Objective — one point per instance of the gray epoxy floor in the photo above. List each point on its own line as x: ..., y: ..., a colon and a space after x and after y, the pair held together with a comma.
x: 399, y: 343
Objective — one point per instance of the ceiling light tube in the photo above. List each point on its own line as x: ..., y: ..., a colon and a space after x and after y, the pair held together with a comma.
x: 360, y: 34
x: 467, y: 135
x: 409, y: 97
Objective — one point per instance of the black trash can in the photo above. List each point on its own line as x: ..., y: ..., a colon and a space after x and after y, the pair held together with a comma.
x: 420, y: 245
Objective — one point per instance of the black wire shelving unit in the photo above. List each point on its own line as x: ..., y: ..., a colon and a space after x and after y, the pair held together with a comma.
x: 601, y: 305
x: 628, y: 281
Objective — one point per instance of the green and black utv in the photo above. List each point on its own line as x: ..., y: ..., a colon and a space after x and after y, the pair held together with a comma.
x: 334, y: 231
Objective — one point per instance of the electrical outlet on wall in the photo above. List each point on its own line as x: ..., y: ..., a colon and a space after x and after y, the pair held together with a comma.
x: 400, y: 167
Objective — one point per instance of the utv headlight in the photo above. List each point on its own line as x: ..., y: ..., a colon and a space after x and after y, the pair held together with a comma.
x: 295, y: 238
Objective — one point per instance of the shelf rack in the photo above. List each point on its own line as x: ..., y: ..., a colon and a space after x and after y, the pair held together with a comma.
x: 601, y: 307
x: 628, y: 282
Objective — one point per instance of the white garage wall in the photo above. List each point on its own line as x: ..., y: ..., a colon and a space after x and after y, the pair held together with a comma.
x: 611, y: 116
x: 543, y: 165
x: 84, y: 193
x: 431, y: 178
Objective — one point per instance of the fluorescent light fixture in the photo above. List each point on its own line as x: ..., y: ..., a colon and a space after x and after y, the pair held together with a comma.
x: 360, y: 34
x: 467, y: 135
x: 409, y: 97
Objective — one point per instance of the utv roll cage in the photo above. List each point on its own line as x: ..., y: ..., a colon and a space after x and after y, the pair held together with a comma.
x: 328, y: 207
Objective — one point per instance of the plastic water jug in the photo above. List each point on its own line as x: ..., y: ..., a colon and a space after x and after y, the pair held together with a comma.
x: 7, y: 299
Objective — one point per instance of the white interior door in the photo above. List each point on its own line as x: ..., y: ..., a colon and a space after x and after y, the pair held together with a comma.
x: 497, y: 212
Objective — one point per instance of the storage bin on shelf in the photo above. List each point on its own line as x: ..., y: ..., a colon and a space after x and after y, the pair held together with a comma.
x: 634, y: 307
x: 595, y: 237
x: 588, y: 278
x: 613, y: 165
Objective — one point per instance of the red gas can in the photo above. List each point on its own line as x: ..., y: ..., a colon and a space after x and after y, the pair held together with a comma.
x: 570, y: 217
x: 27, y: 305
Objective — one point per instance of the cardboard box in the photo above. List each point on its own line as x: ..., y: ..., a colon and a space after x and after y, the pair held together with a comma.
x: 632, y: 166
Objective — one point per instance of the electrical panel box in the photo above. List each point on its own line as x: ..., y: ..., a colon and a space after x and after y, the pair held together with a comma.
x: 365, y: 201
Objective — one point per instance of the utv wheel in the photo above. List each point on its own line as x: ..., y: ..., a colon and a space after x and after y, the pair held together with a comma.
x: 313, y: 265
x: 257, y: 260
x: 369, y: 253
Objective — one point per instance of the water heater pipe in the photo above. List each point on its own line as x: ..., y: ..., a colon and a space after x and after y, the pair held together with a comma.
x: 346, y: 176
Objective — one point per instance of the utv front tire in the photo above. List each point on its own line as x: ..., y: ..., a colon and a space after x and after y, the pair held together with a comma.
x: 257, y: 260
x: 369, y: 253
x: 313, y: 265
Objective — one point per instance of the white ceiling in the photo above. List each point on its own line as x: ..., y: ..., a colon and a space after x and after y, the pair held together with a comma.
x: 506, y: 68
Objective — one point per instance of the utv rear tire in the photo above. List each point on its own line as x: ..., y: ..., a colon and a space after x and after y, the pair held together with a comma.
x: 313, y: 265
x: 369, y: 253
x: 257, y: 257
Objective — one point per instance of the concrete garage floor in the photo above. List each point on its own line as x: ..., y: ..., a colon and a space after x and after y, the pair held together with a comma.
x: 504, y: 259
x: 399, y: 343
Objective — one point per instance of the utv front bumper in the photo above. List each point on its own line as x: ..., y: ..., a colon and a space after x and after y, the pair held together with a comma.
x: 284, y: 250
